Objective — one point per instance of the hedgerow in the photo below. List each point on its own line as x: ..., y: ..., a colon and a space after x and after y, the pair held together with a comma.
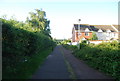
x: 18, y: 46
x: 105, y: 57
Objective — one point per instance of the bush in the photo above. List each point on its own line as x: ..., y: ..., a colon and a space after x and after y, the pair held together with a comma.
x: 104, y: 57
x: 18, y: 46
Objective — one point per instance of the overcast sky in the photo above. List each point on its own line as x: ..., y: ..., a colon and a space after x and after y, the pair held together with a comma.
x: 64, y: 13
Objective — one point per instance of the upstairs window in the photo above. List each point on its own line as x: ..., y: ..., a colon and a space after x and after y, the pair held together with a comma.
x: 114, y: 34
x: 79, y: 34
x: 86, y: 34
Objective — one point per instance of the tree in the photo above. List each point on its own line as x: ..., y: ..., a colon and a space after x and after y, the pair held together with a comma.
x: 38, y: 21
x: 94, y: 36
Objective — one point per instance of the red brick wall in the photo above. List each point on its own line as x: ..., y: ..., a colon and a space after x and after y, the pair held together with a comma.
x: 83, y: 35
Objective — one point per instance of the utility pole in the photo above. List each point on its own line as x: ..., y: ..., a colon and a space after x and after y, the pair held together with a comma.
x: 79, y: 33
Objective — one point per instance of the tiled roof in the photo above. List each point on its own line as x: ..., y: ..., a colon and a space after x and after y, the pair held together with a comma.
x: 117, y: 26
x: 104, y: 27
x: 82, y: 27
x: 94, y: 27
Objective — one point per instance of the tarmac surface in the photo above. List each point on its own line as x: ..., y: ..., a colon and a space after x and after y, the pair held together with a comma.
x: 54, y: 67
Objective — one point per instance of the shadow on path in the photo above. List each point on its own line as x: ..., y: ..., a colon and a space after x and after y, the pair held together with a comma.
x: 54, y: 67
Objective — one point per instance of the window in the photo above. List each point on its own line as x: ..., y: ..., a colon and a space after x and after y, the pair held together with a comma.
x: 86, y: 34
x: 114, y: 34
x: 79, y: 34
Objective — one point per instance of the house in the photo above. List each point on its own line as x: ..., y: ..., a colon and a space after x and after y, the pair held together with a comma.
x: 85, y: 32
x: 118, y: 28
x: 103, y: 32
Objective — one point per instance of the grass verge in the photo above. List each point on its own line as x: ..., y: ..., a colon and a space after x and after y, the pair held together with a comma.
x: 26, y: 69
x: 70, y: 70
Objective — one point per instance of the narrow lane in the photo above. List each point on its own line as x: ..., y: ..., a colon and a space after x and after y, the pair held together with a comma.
x: 53, y: 68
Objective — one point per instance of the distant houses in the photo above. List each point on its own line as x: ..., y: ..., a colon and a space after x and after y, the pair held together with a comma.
x: 103, y: 32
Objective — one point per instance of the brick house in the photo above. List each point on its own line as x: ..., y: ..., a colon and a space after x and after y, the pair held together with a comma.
x: 103, y: 32
x: 85, y: 32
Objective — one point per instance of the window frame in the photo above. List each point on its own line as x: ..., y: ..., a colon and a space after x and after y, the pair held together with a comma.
x: 79, y: 34
x: 86, y: 33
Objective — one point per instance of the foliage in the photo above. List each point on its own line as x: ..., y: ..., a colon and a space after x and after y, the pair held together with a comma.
x: 20, y: 43
x: 26, y: 69
x: 70, y: 47
x: 38, y: 21
x: 84, y: 41
x: 104, y: 57
x: 58, y: 42
x: 65, y: 41
x: 94, y: 36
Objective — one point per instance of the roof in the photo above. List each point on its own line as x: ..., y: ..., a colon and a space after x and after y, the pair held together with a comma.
x: 116, y: 26
x: 94, y: 27
x: 104, y: 27
x: 82, y: 27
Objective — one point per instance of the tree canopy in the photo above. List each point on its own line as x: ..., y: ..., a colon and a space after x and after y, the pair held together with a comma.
x: 94, y: 36
x: 37, y: 20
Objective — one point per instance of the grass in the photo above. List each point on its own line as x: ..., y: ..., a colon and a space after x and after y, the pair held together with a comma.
x: 26, y: 69
x: 70, y: 70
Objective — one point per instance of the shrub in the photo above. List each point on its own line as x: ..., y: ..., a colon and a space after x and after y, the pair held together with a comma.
x: 18, y: 45
x: 104, y: 57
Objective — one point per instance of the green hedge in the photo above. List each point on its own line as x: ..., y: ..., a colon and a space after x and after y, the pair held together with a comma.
x: 104, y: 57
x: 18, y: 45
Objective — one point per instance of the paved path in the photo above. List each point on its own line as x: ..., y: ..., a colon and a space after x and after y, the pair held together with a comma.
x: 53, y: 68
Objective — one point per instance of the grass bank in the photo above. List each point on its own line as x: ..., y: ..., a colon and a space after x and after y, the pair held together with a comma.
x: 26, y: 69
x: 69, y: 67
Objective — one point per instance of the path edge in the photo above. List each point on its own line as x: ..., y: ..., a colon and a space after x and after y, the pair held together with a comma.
x: 69, y: 67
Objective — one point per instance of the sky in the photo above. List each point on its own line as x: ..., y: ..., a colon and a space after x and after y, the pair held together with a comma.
x: 64, y: 13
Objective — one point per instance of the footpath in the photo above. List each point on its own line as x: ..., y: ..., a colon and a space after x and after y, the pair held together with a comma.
x: 55, y: 67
